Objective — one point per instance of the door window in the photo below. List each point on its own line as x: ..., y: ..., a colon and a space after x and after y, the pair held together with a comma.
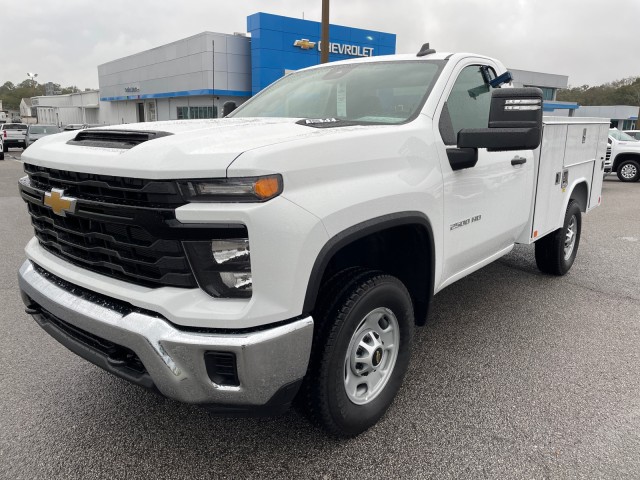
x: 468, y: 104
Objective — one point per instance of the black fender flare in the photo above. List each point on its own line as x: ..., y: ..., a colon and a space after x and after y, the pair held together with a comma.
x: 361, y: 230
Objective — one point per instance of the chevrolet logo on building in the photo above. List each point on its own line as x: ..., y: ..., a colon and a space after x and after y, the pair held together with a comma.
x: 60, y: 204
x: 304, y: 44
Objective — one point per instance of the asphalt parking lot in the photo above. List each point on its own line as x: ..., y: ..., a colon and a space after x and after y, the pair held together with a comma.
x: 518, y: 375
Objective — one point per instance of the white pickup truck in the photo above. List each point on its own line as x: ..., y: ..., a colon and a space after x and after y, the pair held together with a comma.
x: 291, y: 248
x: 623, y: 156
x: 13, y: 135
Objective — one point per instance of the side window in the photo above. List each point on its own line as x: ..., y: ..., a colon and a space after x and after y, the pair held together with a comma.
x: 468, y: 104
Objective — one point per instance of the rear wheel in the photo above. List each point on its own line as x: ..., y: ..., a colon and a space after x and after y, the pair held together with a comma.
x: 361, y: 351
x: 556, y: 252
x: 629, y: 171
x: 5, y: 148
x: 1, y: 155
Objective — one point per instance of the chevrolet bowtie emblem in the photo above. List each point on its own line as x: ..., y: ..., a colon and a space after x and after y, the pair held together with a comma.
x: 304, y: 44
x: 60, y: 204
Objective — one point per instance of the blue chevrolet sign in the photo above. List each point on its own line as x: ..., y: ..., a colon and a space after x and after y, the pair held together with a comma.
x: 283, y: 43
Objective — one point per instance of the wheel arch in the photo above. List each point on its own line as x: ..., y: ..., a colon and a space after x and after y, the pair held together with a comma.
x: 365, y: 241
x: 580, y: 193
x: 621, y: 157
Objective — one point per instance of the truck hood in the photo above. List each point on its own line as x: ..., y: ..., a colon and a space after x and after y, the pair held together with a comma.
x: 628, y: 146
x: 193, y: 148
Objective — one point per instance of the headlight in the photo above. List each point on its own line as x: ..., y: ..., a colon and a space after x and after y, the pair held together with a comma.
x: 222, y: 267
x: 246, y: 189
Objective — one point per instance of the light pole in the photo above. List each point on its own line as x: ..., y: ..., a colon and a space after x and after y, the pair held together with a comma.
x: 324, y: 54
x: 32, y: 76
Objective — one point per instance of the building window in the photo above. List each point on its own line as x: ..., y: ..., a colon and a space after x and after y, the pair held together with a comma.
x: 547, y: 92
x: 196, y: 112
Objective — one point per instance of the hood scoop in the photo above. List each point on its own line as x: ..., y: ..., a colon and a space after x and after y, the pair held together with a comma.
x: 121, y: 139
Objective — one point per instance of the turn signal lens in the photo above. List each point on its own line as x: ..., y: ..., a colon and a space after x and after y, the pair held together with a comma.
x: 267, y: 187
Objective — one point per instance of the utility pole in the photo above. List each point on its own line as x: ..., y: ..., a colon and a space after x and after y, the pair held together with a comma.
x: 324, y: 54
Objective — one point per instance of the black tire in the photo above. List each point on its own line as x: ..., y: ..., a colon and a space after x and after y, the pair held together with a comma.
x: 345, y: 302
x: 628, y: 171
x: 2, y: 155
x: 5, y: 148
x: 551, y: 256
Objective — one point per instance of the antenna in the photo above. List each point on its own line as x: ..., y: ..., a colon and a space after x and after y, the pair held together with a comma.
x: 425, y: 50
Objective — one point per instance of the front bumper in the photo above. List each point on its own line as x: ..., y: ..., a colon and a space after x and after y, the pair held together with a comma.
x: 151, y: 352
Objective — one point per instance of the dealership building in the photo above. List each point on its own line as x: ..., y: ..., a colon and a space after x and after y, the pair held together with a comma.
x: 195, y: 77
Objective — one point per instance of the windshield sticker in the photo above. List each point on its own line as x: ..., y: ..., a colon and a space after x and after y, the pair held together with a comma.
x: 313, y: 121
x: 341, y: 99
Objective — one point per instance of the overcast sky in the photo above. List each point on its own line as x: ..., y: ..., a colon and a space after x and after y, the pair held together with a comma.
x: 592, y: 41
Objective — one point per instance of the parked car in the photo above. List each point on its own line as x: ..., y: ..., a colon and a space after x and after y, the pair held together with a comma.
x: 633, y: 133
x: 623, y: 156
x: 13, y: 135
x: 36, y: 132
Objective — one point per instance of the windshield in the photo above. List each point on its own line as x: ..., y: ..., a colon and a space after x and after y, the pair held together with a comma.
x: 621, y: 136
x: 48, y: 129
x: 380, y: 92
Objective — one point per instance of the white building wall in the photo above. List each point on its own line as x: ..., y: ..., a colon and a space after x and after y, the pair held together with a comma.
x: 182, y: 66
x: 116, y: 113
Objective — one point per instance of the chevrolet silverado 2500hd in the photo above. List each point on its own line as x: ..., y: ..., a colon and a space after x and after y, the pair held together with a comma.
x: 623, y: 156
x: 291, y: 248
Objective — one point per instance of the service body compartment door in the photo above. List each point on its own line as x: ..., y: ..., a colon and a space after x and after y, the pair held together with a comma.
x: 582, y: 142
x: 549, y: 194
x: 598, y: 168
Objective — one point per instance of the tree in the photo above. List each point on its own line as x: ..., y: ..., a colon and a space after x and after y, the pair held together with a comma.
x: 11, y: 94
x: 625, y: 91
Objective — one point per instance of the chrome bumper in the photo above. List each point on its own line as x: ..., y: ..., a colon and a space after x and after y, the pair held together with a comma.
x: 270, y: 362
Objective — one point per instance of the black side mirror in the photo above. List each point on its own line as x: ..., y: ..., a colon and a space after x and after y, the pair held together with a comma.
x: 515, y: 122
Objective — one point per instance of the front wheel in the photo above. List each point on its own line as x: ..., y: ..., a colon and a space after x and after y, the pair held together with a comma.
x: 361, y: 351
x: 556, y: 252
x: 629, y: 171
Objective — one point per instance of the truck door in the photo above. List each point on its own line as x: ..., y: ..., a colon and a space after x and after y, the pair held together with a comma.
x: 488, y: 205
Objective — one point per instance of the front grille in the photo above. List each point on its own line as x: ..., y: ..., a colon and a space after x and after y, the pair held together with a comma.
x: 608, y: 154
x: 107, y: 188
x: 133, y: 243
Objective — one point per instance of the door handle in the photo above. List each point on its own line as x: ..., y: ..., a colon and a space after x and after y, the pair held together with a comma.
x: 518, y: 160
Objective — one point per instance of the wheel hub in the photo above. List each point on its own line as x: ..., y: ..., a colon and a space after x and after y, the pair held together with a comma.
x: 629, y: 171
x: 371, y: 356
x: 377, y: 357
x: 570, y: 237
